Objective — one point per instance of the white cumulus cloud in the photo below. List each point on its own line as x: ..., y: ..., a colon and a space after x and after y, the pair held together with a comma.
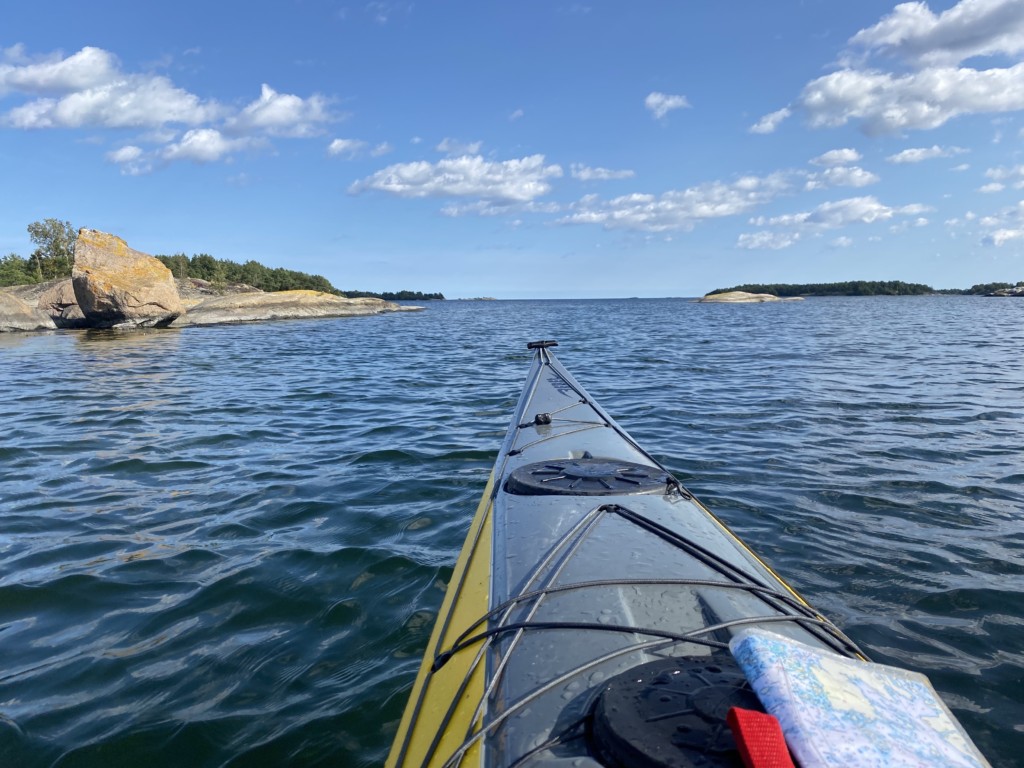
x: 678, y: 209
x: 1002, y: 236
x: 937, y: 88
x: 837, y: 157
x: 204, y: 145
x: 129, y: 102
x: 88, y: 68
x: 131, y: 159
x: 282, y: 114
x: 90, y: 89
x: 125, y: 154
x: 970, y: 28
x: 660, y: 104
x: 519, y: 180
x: 887, y: 103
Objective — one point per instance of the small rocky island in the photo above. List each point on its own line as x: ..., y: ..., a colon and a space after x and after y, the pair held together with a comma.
x: 114, y: 286
x: 743, y: 297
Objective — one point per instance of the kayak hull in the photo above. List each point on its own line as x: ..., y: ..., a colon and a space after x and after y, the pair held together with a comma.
x: 585, y: 559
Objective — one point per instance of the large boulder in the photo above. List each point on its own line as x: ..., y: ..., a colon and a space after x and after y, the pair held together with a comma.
x: 119, y: 287
x: 282, y: 305
x: 16, y: 315
x: 59, y: 302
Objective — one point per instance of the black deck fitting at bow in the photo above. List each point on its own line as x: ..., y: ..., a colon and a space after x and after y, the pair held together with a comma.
x: 542, y: 344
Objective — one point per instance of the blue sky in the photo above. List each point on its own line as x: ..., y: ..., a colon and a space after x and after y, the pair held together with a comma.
x: 528, y: 149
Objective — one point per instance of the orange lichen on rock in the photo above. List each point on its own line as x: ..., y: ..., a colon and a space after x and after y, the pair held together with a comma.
x: 117, y: 286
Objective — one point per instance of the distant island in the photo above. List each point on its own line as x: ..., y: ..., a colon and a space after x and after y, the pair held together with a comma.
x: 395, y: 295
x: 220, y: 272
x: 867, y: 288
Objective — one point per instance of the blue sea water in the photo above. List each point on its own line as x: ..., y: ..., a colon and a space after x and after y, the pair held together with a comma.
x: 226, y: 545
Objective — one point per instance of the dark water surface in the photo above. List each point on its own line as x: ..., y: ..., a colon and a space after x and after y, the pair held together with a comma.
x: 226, y: 545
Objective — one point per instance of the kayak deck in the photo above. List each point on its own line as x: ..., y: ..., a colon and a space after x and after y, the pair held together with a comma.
x: 586, y: 559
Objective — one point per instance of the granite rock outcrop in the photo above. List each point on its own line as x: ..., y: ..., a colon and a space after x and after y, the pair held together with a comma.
x: 742, y: 297
x: 119, y: 287
x: 17, y: 315
x: 114, y: 286
x: 281, y: 305
x: 61, y: 304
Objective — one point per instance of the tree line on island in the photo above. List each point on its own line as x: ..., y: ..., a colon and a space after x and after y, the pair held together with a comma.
x: 863, y: 288
x: 54, y: 257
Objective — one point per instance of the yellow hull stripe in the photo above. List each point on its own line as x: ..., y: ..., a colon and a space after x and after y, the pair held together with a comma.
x: 465, y: 601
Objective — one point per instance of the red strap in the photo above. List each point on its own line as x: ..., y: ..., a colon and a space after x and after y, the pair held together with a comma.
x: 759, y: 739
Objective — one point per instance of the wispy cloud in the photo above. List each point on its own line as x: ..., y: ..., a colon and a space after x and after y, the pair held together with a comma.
x: 771, y: 121
x: 1004, y: 226
x: 499, y: 208
x: 586, y: 173
x: 1013, y: 174
x: 384, y: 11
x: 767, y: 240
x: 920, y: 154
x: 348, y: 148
x: 454, y: 147
x: 840, y: 213
x: 660, y: 104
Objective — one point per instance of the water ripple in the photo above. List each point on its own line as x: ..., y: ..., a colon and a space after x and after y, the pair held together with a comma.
x: 230, y: 543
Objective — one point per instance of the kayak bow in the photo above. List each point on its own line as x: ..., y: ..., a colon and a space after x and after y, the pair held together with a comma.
x: 588, y: 571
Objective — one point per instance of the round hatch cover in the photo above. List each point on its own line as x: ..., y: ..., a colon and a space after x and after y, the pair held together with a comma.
x: 586, y: 477
x: 670, y: 713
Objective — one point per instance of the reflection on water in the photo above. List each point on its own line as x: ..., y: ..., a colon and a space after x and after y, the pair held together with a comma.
x: 230, y: 543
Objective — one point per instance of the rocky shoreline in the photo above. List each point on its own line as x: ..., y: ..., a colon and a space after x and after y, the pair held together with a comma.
x: 114, y: 286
